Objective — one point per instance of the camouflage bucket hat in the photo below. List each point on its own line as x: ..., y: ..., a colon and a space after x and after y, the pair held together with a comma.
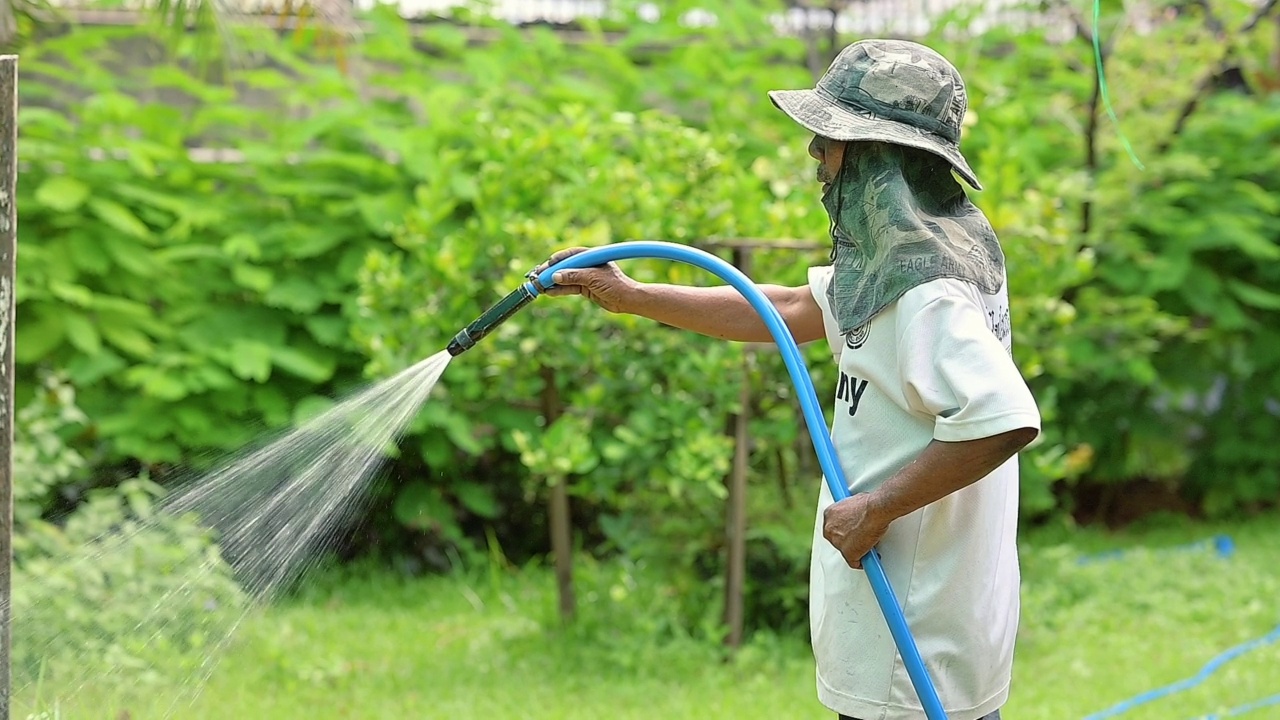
x: 890, y: 91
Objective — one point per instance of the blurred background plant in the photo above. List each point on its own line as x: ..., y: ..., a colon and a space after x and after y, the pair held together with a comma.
x: 109, y: 550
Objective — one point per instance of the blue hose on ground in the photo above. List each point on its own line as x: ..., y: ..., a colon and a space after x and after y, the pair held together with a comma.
x: 1187, y: 683
x: 1242, y: 709
x: 796, y: 366
x: 1223, y: 545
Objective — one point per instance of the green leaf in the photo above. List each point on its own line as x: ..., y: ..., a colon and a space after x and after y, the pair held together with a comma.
x: 157, y: 383
x: 328, y: 330
x: 273, y: 405
x: 62, y: 193
x: 477, y: 498
x: 85, y: 370
x: 82, y: 333
x: 122, y: 306
x: 190, y: 252
x: 315, y: 241
x: 242, y: 246
x: 140, y: 503
x: 77, y: 295
x: 299, y: 294
x: 254, y: 278
x: 1254, y: 296
x: 311, y: 364
x: 464, y: 186
x: 129, y: 256
x: 422, y: 507
x: 87, y: 254
x: 39, y: 332
x: 32, y: 116
x: 211, y: 377
x: 213, y: 328
x: 129, y: 339
x: 311, y: 407
x: 569, y: 441
x: 457, y: 427
x: 1257, y: 246
x: 1263, y: 198
x: 383, y: 213
x: 120, y: 218
x: 251, y: 360
x: 175, y: 204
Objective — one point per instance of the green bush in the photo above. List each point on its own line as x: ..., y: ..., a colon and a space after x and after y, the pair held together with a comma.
x: 195, y: 304
x: 1202, y: 239
x: 642, y: 441
x: 205, y: 302
x: 1133, y: 332
x: 113, y: 587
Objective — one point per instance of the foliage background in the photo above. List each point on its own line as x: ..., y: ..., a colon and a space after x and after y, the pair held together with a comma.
x: 357, y: 214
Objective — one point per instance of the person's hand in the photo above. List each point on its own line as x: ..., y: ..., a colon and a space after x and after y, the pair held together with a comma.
x: 853, y: 527
x: 606, y: 285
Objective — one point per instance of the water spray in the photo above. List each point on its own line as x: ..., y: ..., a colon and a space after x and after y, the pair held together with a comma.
x: 538, y: 283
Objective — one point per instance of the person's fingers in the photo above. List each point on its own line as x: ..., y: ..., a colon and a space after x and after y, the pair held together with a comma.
x: 840, y: 527
x: 572, y: 277
x: 558, y: 257
x: 562, y: 290
x: 566, y: 253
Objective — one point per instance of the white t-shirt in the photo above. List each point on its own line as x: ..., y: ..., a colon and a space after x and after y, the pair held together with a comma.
x: 936, y: 364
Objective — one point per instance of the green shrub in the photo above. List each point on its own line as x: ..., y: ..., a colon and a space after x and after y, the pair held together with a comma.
x: 1202, y: 239
x: 113, y: 588
x: 642, y: 441
x: 194, y: 304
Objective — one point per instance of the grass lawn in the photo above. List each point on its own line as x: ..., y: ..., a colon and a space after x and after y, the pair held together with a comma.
x: 377, y: 646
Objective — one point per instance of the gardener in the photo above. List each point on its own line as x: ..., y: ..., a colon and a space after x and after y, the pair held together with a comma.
x: 930, y: 408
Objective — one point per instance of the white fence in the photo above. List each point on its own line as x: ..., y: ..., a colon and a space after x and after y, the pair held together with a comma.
x: 864, y: 18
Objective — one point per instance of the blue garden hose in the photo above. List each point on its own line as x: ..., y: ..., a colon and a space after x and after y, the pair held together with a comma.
x: 813, y: 415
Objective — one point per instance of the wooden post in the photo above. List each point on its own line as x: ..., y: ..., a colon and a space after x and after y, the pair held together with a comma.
x: 736, y: 530
x: 558, y: 508
x: 736, y: 564
x: 736, y: 512
x: 8, y: 262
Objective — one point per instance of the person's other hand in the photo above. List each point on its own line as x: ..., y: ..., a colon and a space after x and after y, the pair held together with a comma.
x: 605, y: 285
x: 853, y: 527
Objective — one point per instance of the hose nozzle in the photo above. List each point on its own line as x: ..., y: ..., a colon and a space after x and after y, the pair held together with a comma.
x: 499, y: 313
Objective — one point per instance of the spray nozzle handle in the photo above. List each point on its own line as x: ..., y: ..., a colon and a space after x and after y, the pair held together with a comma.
x: 499, y: 313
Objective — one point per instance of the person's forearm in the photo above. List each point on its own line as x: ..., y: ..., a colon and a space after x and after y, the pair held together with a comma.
x: 719, y: 312
x: 943, y: 468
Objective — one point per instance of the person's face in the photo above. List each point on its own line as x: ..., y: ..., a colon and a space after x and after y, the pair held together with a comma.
x: 830, y: 155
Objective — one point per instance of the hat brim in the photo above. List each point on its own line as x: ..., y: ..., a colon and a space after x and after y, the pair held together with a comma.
x: 823, y: 117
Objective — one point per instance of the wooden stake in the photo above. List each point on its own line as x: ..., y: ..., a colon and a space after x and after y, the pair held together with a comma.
x: 736, y: 564
x: 8, y: 257
x: 558, y: 508
x: 736, y: 525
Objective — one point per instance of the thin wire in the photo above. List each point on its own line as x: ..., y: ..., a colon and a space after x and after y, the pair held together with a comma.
x: 1102, y: 85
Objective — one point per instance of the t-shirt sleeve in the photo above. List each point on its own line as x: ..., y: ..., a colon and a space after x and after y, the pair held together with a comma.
x: 956, y: 370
